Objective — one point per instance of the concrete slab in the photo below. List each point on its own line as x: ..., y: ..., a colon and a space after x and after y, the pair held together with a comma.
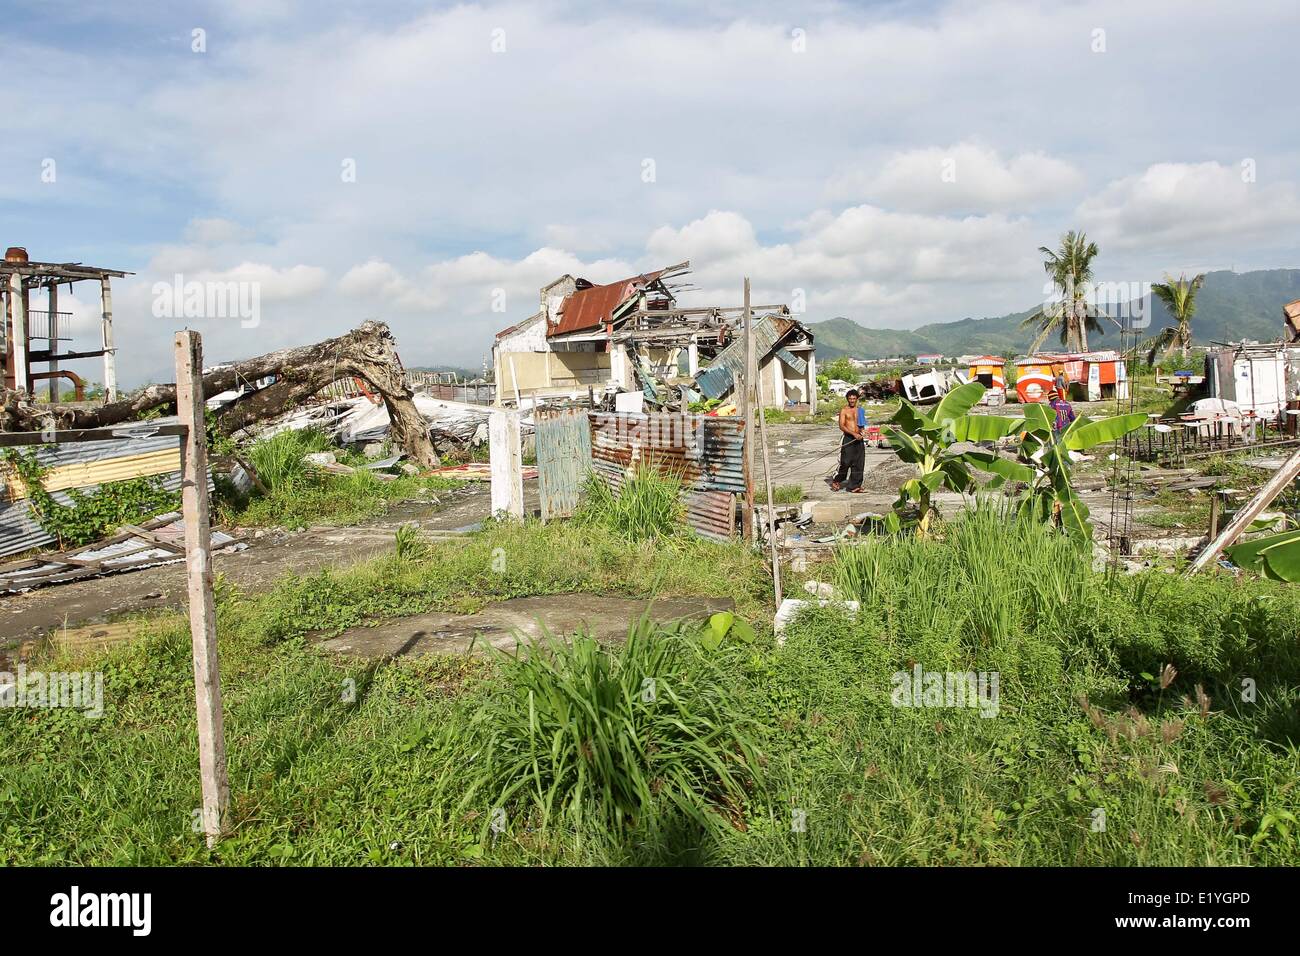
x: 507, y: 624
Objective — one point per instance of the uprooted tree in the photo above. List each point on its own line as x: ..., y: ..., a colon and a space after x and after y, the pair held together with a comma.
x: 368, y: 352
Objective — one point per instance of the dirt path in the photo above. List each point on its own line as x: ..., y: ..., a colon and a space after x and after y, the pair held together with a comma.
x: 29, y: 616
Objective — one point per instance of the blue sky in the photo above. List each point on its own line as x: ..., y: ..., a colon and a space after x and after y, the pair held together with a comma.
x: 895, y: 163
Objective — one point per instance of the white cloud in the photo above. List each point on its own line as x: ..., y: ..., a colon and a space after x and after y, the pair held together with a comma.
x: 211, y: 232
x: 479, y: 171
x: 963, y: 177
x: 1188, y: 204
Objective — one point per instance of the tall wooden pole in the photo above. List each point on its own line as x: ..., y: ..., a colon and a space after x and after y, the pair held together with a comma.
x: 747, y: 410
x: 771, y: 505
x: 198, y: 560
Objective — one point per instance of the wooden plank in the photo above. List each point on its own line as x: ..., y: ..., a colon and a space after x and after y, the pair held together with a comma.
x: 65, y: 436
x: 1281, y: 479
x: 203, y: 618
x: 159, y: 540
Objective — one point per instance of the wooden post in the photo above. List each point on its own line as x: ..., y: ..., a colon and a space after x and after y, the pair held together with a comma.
x: 110, y: 355
x: 198, y: 560
x: 53, y: 294
x: 1242, y: 519
x: 507, y: 464
x: 1216, y: 505
x: 747, y: 410
x: 18, y: 315
x: 771, y: 506
x: 812, y: 381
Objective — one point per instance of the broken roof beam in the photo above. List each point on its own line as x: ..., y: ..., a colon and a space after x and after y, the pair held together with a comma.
x: 66, y: 271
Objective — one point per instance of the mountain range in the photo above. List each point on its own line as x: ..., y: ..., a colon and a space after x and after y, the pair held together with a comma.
x: 1230, y: 306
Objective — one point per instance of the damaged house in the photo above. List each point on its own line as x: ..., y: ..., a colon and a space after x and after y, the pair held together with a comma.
x: 630, y: 336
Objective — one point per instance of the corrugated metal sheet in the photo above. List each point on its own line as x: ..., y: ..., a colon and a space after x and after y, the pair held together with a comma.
x: 87, y: 473
x: 792, y: 360
x: 161, y: 541
x: 591, y: 308
x: 563, y: 459
x: 705, y: 452
x: 716, y: 380
x: 19, y: 529
x: 712, y: 514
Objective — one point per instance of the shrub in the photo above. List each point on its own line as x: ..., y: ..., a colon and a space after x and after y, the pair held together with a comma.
x: 647, y: 507
x: 583, y: 732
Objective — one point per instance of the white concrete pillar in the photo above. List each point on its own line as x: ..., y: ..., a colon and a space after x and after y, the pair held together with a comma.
x: 110, y: 358
x: 18, y: 320
x: 507, y: 463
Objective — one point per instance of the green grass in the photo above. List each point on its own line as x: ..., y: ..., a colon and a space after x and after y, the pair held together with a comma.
x: 648, y: 505
x: 411, y: 768
x: 577, y: 733
x: 787, y: 494
x: 299, y: 495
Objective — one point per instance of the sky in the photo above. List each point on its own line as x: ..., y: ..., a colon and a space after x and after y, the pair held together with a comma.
x: 434, y: 165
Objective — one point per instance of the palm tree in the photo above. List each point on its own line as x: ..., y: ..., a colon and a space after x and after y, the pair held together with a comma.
x: 1179, y: 297
x: 1070, y: 267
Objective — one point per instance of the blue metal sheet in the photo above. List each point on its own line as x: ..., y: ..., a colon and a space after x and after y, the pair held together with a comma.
x: 563, y: 458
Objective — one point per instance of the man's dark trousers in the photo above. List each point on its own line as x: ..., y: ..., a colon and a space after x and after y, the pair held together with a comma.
x: 853, y: 455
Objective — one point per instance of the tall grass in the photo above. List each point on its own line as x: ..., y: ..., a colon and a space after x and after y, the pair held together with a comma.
x: 278, y: 460
x: 582, y: 733
x: 299, y: 495
x: 410, y: 767
x: 647, y: 506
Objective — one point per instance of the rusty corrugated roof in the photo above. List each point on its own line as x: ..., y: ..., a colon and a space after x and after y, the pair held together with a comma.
x: 1292, y: 312
x: 591, y: 308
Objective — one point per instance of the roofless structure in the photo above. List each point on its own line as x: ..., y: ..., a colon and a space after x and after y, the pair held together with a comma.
x: 33, y: 337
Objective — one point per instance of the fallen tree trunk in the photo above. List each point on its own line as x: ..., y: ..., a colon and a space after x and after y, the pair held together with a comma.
x: 368, y: 352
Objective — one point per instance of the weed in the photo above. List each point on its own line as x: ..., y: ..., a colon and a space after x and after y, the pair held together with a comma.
x: 646, y: 506
x: 583, y: 733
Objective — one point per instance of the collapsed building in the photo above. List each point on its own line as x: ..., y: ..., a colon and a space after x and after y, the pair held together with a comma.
x: 631, y: 337
x: 32, y: 338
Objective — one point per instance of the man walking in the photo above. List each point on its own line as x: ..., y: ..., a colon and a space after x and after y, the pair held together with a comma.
x: 853, y: 449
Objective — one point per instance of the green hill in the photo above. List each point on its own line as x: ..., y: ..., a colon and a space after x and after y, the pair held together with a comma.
x: 1230, y: 306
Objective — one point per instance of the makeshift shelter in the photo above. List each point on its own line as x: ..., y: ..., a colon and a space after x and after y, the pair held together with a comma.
x: 989, y: 371
x: 1093, y: 376
x: 1258, y: 378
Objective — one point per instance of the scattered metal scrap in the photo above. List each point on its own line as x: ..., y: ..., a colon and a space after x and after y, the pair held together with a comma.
x: 151, y: 543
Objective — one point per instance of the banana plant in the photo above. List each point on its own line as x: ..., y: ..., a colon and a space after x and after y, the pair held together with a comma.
x: 1276, y: 556
x: 1051, y: 492
x: 928, y: 441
